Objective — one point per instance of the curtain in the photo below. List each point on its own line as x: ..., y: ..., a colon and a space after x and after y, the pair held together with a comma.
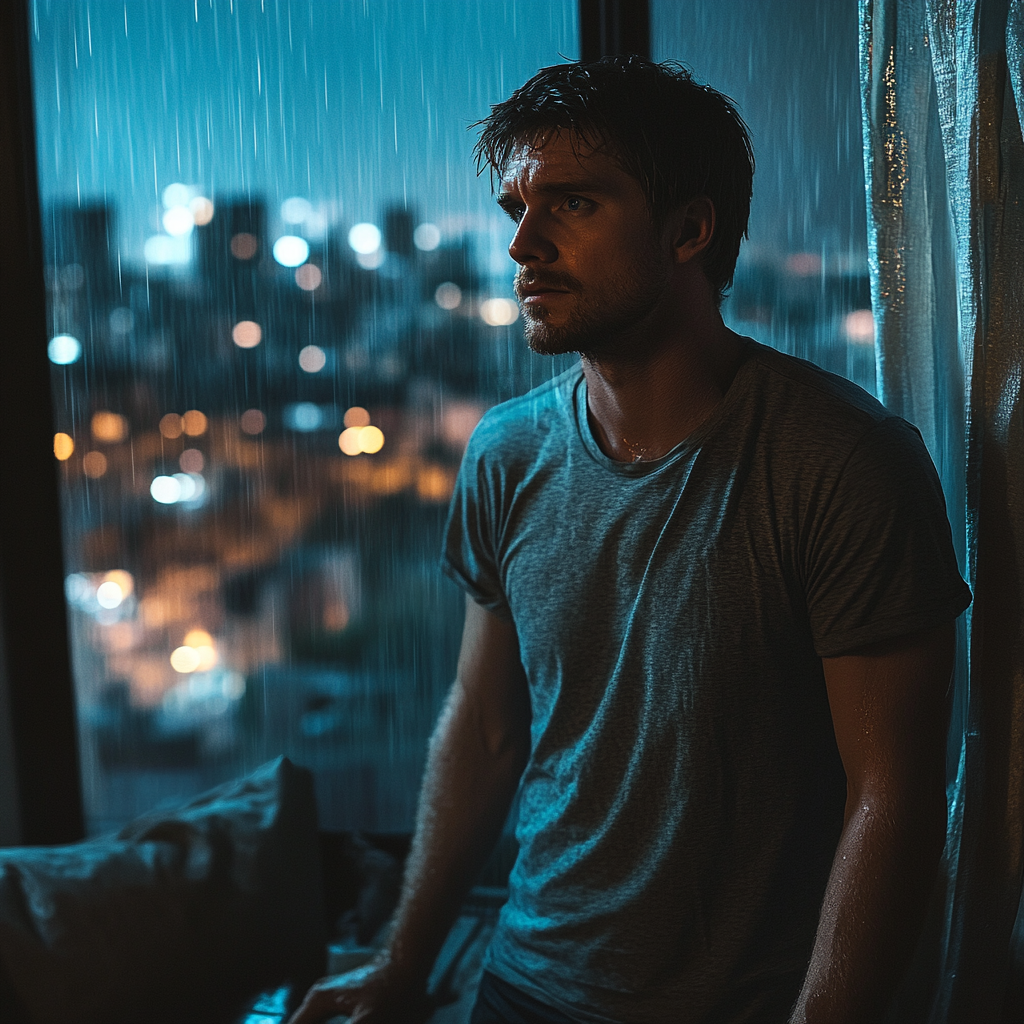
x: 943, y: 100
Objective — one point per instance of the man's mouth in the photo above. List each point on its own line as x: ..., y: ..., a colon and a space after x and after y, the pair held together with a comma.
x: 538, y: 291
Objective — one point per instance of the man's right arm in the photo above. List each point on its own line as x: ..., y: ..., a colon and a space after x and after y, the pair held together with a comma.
x: 476, y: 757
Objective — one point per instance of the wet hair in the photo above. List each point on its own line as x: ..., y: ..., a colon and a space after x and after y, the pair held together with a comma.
x: 678, y: 138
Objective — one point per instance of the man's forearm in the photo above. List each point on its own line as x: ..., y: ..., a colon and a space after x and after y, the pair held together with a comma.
x: 875, y: 901
x: 468, y: 786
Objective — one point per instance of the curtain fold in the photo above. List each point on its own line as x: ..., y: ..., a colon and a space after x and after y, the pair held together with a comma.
x: 942, y: 92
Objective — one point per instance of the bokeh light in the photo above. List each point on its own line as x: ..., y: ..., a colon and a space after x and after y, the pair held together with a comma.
x: 63, y: 446
x: 165, y: 489
x: 499, y: 312
x: 308, y: 277
x: 185, y: 659
x: 426, y: 237
x: 247, y: 334
x: 201, y: 209
x: 109, y: 427
x: 312, y: 359
x: 170, y: 426
x: 364, y: 238
x: 448, y: 295
x: 176, y: 195
x: 198, y: 638
x: 359, y: 440
x: 244, y: 246
x: 291, y: 250
x: 94, y: 465
x: 371, y: 439
x: 348, y: 441
x: 178, y: 222
x: 252, y: 421
x: 357, y: 416
x: 192, y: 460
x: 191, y: 486
x: 859, y: 327
x: 109, y: 595
x: 194, y: 423
x: 304, y: 417
x: 123, y: 579
x: 295, y: 210
x: 64, y: 349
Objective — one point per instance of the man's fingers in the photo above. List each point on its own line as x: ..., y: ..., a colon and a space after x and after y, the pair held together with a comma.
x: 322, y: 1002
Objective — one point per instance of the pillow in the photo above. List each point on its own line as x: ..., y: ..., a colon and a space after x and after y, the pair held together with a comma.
x: 181, y: 917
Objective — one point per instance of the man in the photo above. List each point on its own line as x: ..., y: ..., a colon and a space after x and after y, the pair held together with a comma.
x: 710, y: 626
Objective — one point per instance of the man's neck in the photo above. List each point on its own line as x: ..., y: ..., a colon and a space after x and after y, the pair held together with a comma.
x: 640, y: 409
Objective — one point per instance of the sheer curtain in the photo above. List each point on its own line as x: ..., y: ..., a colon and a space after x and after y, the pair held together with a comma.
x: 944, y: 160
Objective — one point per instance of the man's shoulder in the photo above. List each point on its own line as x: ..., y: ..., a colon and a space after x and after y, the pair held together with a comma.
x: 812, y: 419
x: 809, y: 423
x: 517, y: 425
x: 810, y: 392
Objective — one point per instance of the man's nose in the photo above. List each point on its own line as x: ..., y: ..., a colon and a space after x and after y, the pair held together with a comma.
x: 531, y: 242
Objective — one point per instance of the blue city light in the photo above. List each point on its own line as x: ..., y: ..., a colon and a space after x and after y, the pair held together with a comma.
x: 291, y: 251
x: 165, y: 489
x: 364, y: 238
x: 303, y: 417
x: 64, y: 349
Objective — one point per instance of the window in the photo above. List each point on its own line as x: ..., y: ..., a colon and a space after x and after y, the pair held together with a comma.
x: 791, y: 68
x: 279, y: 301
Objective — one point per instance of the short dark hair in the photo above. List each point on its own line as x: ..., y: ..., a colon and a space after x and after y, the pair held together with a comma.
x: 678, y: 138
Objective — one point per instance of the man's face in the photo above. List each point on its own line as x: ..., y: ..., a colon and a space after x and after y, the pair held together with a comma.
x: 592, y: 265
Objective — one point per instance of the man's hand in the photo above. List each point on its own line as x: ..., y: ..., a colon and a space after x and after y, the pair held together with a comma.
x: 375, y: 993
x: 477, y: 754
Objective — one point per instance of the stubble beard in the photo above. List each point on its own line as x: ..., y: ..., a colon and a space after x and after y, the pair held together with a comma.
x: 599, y: 326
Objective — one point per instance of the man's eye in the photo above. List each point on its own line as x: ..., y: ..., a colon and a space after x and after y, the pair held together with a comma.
x: 576, y: 203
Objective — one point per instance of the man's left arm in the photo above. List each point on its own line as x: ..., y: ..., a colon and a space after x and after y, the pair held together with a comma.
x: 890, y: 712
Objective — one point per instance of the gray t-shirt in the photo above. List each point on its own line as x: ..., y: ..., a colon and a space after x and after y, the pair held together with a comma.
x: 684, y: 795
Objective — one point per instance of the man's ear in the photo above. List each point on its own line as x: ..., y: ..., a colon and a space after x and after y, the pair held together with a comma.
x: 692, y: 227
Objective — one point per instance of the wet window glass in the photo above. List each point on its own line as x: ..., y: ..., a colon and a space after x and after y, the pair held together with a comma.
x: 791, y: 68
x: 279, y: 301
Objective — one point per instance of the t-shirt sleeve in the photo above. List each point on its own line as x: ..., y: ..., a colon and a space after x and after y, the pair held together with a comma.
x: 469, y: 549
x: 880, y: 559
